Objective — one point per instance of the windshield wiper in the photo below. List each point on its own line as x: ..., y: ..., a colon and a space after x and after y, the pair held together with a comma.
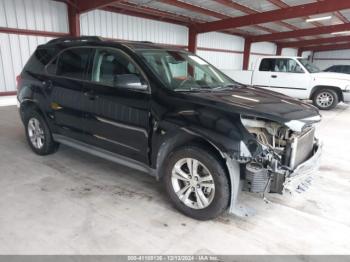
x: 193, y: 89
x: 226, y: 87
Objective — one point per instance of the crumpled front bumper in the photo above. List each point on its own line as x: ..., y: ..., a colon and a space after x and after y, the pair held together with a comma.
x: 300, y: 179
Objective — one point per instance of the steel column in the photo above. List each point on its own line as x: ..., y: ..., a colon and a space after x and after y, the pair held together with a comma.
x: 279, y: 50
x: 246, y: 53
x: 192, y: 39
x: 73, y: 21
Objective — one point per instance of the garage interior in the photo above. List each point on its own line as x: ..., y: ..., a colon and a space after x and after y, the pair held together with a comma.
x: 75, y: 203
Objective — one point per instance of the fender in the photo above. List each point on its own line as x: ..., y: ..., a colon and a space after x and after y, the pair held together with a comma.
x: 335, y: 88
x: 165, y: 142
x: 227, y: 137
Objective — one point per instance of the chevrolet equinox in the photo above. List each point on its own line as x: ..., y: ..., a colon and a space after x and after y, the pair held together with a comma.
x: 168, y: 112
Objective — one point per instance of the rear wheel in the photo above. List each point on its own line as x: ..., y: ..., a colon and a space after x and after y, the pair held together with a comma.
x: 196, y: 183
x: 38, y: 134
x: 325, y: 99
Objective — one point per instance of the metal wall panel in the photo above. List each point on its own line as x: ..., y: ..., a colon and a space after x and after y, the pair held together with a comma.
x: 14, y: 53
x: 224, y: 61
x: 221, y: 41
x: 42, y: 15
x: 328, y: 58
x: 125, y: 27
x: 289, y: 52
x: 259, y: 50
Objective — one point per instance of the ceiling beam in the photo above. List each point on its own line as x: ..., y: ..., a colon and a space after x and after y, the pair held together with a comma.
x: 318, y: 41
x: 248, y: 10
x: 327, y: 47
x: 142, y: 14
x: 204, y: 11
x: 88, y: 5
x: 302, y: 32
x: 275, y: 15
x: 281, y: 4
x: 156, y: 12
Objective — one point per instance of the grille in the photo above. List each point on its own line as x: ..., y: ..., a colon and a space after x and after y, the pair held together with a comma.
x: 302, y: 148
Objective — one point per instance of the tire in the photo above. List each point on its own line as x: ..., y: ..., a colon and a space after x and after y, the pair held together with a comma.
x: 216, y: 190
x: 36, y: 130
x: 325, y: 99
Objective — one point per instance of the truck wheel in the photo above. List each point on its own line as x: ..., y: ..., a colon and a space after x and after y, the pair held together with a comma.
x: 38, y: 134
x: 196, y: 183
x: 325, y: 99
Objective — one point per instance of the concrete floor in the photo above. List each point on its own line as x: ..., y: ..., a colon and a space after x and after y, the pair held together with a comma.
x: 74, y: 203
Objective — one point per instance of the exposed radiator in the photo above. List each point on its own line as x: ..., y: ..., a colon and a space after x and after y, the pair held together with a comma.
x: 302, y: 147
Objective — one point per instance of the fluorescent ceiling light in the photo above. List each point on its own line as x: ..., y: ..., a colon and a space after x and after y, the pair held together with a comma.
x: 309, y: 20
x: 340, y: 33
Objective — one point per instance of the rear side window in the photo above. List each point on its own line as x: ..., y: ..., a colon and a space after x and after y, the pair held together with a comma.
x: 40, y: 59
x: 346, y: 69
x: 285, y: 65
x: 73, y: 62
x: 267, y: 65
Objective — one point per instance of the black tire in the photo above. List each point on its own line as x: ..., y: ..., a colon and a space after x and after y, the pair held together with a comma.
x: 49, y: 146
x: 221, y: 195
x: 327, y: 93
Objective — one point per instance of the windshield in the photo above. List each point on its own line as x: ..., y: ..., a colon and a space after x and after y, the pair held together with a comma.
x: 181, y: 71
x: 310, y: 67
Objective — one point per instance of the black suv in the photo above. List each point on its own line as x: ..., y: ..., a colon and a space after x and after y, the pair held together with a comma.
x: 345, y: 69
x: 171, y: 114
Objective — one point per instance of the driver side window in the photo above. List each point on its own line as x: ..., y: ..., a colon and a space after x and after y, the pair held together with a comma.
x: 115, y: 69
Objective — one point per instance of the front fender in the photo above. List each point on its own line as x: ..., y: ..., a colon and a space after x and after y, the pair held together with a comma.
x: 225, y: 133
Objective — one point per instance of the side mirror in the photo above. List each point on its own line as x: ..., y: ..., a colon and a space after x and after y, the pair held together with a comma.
x: 129, y: 81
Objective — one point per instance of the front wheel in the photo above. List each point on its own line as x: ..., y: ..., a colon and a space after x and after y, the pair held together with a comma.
x: 325, y: 99
x: 196, y: 183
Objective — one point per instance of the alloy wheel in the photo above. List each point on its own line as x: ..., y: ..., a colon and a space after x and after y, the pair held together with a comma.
x: 36, y: 133
x: 193, y: 183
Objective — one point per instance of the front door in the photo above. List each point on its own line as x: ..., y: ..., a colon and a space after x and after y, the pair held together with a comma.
x: 116, y: 102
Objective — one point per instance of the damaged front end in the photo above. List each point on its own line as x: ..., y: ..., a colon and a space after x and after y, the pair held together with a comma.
x: 290, y: 154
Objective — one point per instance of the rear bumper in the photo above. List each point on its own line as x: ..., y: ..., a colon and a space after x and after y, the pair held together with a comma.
x: 301, y: 177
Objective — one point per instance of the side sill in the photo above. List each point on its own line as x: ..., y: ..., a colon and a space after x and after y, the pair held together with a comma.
x: 99, y: 152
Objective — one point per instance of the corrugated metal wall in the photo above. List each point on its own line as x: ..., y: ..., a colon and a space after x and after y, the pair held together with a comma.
x: 125, y: 27
x: 41, y: 15
x: 230, y: 57
x: 222, y: 50
x: 260, y: 49
x: 14, y: 53
x: 337, y: 57
x: 289, y: 52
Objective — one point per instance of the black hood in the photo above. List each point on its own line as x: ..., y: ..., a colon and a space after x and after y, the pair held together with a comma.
x: 258, y: 102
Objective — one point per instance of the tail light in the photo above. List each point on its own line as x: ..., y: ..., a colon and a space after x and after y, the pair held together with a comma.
x: 18, y: 81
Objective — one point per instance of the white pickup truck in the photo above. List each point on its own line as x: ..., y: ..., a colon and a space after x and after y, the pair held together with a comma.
x: 297, y: 77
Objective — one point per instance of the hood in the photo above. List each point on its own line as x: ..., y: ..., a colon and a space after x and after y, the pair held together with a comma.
x: 261, y: 103
x: 332, y: 75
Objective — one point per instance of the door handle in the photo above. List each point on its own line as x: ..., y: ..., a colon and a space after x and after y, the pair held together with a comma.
x: 90, y: 95
x: 273, y: 76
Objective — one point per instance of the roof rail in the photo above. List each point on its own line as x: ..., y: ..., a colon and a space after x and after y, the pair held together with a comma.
x: 74, y: 39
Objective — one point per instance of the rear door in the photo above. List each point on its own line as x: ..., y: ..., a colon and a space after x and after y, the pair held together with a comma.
x: 287, y: 77
x: 117, y: 105
x: 65, y: 85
